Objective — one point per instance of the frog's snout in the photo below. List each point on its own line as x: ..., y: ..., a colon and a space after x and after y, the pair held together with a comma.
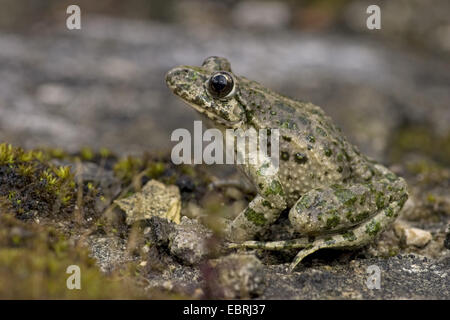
x: 176, y: 75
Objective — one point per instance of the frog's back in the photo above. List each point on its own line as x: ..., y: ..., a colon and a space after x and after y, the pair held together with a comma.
x: 313, y: 151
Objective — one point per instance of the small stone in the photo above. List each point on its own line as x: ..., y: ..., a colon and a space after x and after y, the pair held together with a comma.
x: 239, y: 276
x: 155, y: 199
x: 417, y: 237
x: 189, y: 241
x: 412, y: 236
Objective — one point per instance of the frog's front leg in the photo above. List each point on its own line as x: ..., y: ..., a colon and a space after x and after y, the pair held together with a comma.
x: 263, y: 210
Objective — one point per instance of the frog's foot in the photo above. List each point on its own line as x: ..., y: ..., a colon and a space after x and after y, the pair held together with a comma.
x: 356, y: 237
x: 271, y: 245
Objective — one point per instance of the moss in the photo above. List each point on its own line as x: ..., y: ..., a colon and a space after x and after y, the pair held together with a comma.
x: 38, y: 185
x: 321, y: 131
x: 420, y: 140
x: 34, y: 260
x: 155, y: 170
x: 127, y: 168
x: 86, y: 154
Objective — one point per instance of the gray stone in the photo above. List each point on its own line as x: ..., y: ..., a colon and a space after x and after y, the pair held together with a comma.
x: 239, y: 276
x: 190, y: 241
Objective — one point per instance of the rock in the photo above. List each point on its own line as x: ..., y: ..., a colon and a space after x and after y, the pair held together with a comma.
x: 158, y: 231
x: 190, y: 241
x: 239, y: 276
x: 447, y: 238
x: 261, y: 15
x: 412, y: 236
x: 155, y: 199
x: 417, y: 237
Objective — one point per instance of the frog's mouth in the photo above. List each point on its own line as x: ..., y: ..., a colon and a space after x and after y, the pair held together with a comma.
x: 214, y: 117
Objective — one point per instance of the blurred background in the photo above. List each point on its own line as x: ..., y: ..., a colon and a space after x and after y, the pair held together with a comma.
x: 103, y: 85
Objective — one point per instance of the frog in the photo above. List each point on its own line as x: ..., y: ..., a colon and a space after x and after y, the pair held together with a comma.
x: 336, y: 197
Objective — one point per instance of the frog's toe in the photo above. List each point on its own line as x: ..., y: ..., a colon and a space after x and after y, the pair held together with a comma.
x: 301, y: 255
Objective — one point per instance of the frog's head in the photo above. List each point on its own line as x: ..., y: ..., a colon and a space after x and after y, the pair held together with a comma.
x: 210, y: 89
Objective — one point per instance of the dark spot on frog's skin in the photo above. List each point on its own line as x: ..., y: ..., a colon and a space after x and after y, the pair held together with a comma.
x: 321, y: 132
x: 257, y: 218
x: 182, y: 89
x: 286, y: 138
x: 267, y: 204
x: 345, y: 196
x: 274, y: 189
x: 296, y: 193
x: 310, y: 138
x: 340, y: 169
x: 249, y: 115
x: 289, y: 177
x: 305, y: 203
x: 284, y: 155
x: 391, y: 177
x: 300, y: 158
x: 280, y: 105
x: 332, y: 222
x: 373, y: 228
x: 304, y: 120
x: 379, y: 200
x: 389, y: 212
x: 288, y: 124
x: 224, y: 115
x: 360, y: 217
x: 349, y: 236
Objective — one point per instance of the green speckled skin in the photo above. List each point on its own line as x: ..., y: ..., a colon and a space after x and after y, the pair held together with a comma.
x: 336, y: 195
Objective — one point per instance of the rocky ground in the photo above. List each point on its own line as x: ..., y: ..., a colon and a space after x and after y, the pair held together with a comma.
x: 86, y: 100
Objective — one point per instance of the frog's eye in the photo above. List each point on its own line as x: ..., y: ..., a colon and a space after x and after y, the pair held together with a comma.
x: 221, y: 85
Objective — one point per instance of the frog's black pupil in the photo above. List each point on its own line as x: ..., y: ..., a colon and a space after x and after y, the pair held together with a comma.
x: 220, y: 85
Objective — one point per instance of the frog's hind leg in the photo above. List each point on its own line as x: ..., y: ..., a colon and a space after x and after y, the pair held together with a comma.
x: 272, y: 245
x: 356, y: 237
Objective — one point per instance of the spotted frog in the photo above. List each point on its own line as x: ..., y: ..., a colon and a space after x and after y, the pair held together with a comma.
x: 336, y: 196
